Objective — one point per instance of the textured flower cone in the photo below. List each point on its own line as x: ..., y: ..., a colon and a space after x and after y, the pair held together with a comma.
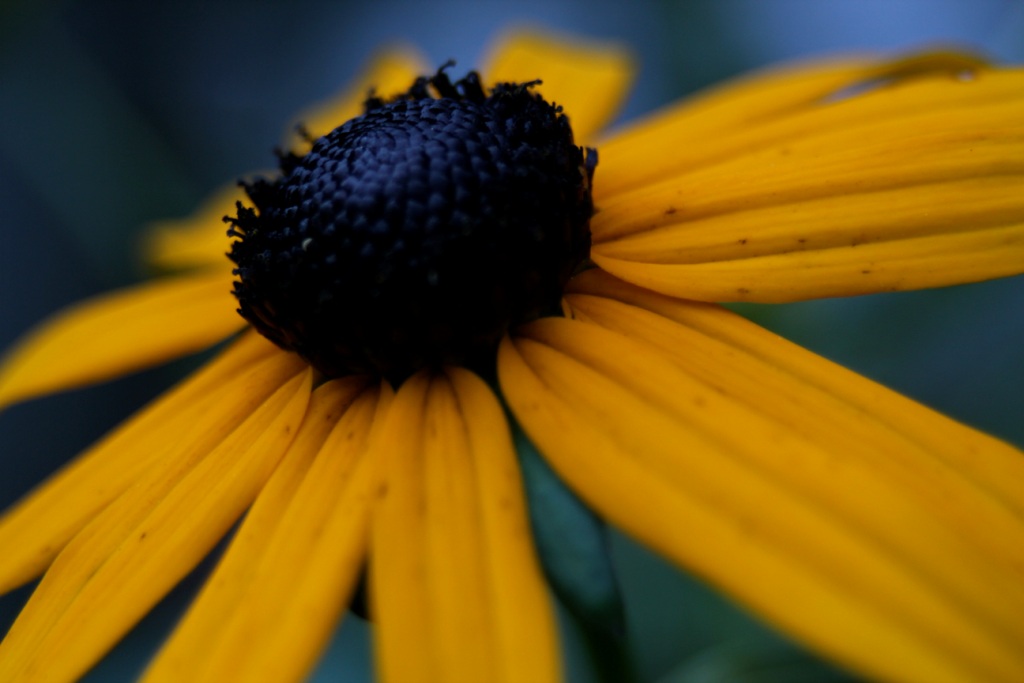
x: 875, y: 531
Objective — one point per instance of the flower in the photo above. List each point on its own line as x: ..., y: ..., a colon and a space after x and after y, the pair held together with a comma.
x: 872, y: 529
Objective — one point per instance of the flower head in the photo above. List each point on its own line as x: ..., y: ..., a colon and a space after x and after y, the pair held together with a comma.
x: 874, y: 530
x: 417, y: 233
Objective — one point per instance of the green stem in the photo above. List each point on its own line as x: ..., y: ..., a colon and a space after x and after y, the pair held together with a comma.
x: 609, y: 653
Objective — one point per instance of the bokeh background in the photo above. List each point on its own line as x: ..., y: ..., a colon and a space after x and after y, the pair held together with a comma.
x: 115, y: 114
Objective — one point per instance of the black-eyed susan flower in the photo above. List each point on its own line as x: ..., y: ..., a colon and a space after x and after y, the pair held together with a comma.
x: 438, y: 251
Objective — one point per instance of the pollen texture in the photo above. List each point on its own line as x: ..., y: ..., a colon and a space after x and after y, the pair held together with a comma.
x: 417, y: 233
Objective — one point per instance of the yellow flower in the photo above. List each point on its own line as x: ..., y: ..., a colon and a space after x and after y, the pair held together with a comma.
x: 877, y: 532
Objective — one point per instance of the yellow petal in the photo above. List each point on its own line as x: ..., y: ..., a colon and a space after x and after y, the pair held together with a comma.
x: 751, y: 113
x: 896, y: 266
x: 919, y: 185
x: 821, y: 515
x: 875, y: 258
x: 279, y: 591
x: 118, y: 333
x: 389, y: 73
x: 195, y: 636
x: 452, y: 557
x: 589, y: 79
x: 204, y: 407
x: 198, y: 240
x: 311, y: 565
x: 815, y: 383
x: 134, y: 552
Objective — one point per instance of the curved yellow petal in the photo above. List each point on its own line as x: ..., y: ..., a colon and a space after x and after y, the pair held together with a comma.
x: 853, y: 244
x: 812, y: 383
x: 892, y: 266
x: 120, y: 332
x: 452, y: 560
x: 755, y: 112
x: 589, y: 79
x: 207, y: 406
x: 526, y: 644
x: 932, y: 195
x: 140, y: 546
x: 198, y: 240
x: 816, y: 514
x: 398, y: 579
x: 199, y: 631
x: 280, y: 589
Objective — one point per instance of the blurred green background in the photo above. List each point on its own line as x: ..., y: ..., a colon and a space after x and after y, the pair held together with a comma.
x: 113, y: 114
